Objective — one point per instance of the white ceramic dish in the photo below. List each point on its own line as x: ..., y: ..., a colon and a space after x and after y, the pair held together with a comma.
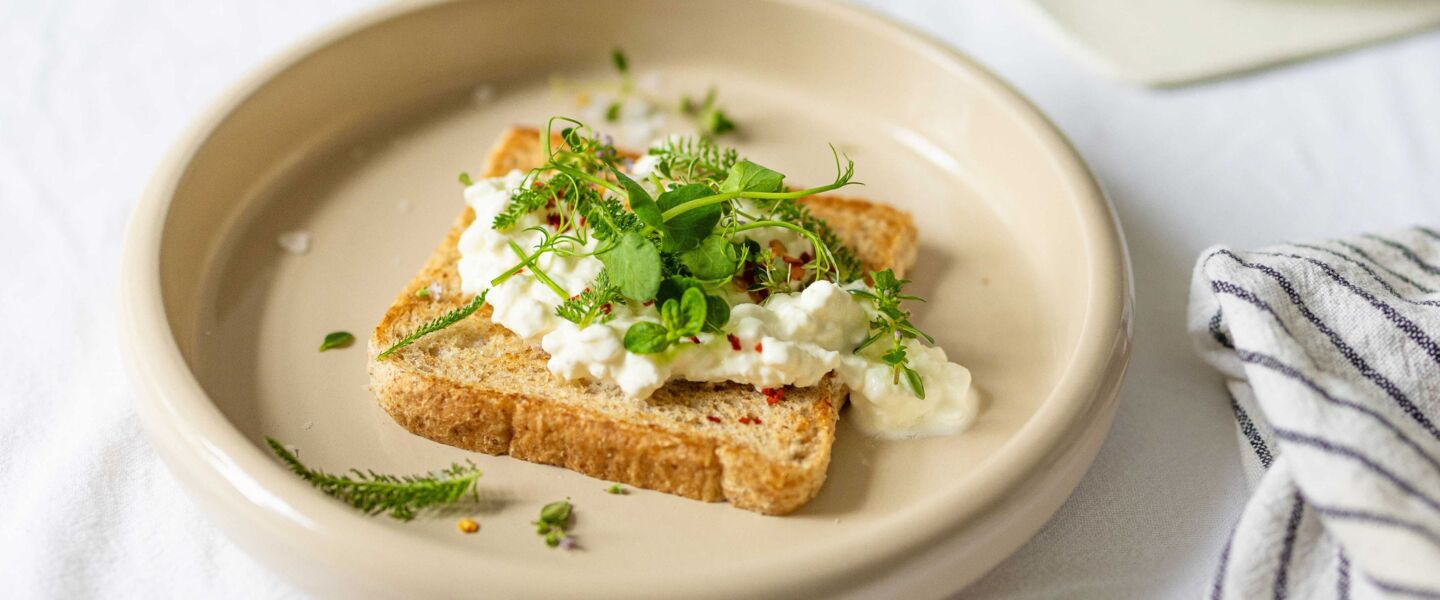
x: 356, y: 137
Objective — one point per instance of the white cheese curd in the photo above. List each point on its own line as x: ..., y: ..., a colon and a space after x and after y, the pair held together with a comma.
x: 792, y: 339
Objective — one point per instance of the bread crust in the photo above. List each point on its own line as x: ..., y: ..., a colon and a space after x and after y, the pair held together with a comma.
x: 477, y: 386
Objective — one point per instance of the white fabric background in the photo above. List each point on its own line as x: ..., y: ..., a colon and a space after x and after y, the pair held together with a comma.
x: 95, y: 90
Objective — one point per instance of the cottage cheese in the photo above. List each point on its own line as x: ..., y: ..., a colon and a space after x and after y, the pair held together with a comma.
x: 792, y: 339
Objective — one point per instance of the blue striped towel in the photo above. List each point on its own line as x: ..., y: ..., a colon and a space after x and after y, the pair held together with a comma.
x: 1331, y: 358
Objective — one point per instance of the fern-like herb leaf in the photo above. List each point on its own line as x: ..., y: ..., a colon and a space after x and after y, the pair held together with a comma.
x: 402, y: 497
x: 523, y: 202
x: 694, y: 159
x: 440, y: 322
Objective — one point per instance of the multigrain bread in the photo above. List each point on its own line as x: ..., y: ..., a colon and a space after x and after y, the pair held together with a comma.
x: 477, y: 386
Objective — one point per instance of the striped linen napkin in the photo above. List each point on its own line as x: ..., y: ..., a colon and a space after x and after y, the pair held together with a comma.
x: 1331, y: 353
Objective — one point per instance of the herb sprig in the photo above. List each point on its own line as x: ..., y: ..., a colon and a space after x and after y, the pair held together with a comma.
x: 554, y: 520
x: 440, y: 322
x: 679, y: 319
x: 893, y: 323
x: 402, y: 497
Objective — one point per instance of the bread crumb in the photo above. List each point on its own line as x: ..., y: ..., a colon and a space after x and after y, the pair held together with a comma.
x: 295, y: 242
x: 468, y: 525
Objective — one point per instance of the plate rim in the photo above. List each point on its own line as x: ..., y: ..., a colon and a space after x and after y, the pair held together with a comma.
x: 209, y: 455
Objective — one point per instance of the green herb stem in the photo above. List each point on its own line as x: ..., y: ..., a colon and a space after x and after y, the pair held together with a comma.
x: 727, y: 196
x: 539, y: 274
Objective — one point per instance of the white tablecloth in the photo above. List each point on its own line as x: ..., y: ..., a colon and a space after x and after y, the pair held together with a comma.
x: 95, y: 91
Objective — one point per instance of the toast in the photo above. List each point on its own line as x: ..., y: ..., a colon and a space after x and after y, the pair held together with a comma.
x: 477, y: 386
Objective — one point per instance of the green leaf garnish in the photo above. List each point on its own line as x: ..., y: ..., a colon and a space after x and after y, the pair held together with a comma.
x: 372, y: 493
x: 679, y: 319
x: 338, y: 339
x: 641, y: 204
x: 685, y: 230
x: 647, y: 338
x: 612, y: 112
x: 747, y: 176
x: 617, y: 57
x: 714, y: 258
x: 634, y: 267
x: 440, y: 322
x: 465, y: 179
x: 554, y: 520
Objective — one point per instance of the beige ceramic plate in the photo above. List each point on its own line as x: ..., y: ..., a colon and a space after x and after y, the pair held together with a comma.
x: 357, y: 138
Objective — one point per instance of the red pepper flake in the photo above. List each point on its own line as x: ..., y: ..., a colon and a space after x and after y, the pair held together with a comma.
x: 605, y: 308
x: 694, y: 339
x: 649, y: 303
x: 744, y: 420
x: 773, y: 396
x: 712, y: 418
x: 760, y: 346
x: 734, y: 341
x: 754, y: 420
x: 790, y: 260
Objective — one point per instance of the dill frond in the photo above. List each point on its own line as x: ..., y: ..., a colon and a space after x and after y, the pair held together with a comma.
x: 373, y: 493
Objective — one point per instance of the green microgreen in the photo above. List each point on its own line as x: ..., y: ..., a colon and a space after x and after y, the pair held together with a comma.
x: 634, y: 266
x: 553, y: 523
x: 337, y: 339
x: 714, y: 258
x: 373, y: 493
x: 465, y: 179
x: 615, y: 489
x: 679, y: 319
x: 892, y: 323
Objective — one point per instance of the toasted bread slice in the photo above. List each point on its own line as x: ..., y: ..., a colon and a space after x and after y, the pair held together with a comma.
x: 477, y: 386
